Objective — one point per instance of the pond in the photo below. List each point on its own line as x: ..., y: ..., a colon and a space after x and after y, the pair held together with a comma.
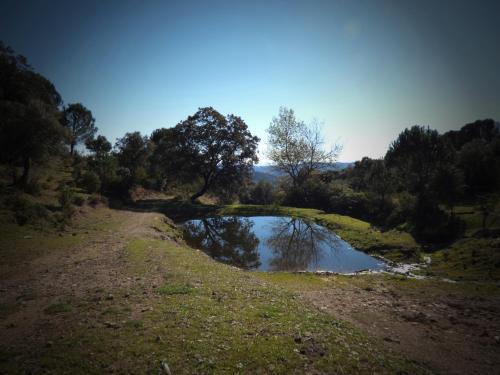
x: 275, y: 243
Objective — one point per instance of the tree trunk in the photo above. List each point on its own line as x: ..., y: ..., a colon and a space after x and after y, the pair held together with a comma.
x: 25, y: 178
x: 72, y: 148
x: 202, y: 191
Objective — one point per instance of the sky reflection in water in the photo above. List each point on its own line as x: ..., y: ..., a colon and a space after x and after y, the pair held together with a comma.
x: 272, y: 243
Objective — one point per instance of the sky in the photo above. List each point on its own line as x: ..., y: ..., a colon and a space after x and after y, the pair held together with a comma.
x: 365, y: 69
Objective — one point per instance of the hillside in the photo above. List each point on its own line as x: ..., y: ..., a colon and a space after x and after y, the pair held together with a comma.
x: 119, y: 291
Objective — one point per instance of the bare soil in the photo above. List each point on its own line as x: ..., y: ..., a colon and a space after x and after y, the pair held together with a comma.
x: 449, y: 332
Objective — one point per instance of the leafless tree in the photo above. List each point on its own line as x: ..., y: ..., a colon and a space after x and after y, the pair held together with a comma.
x: 296, y: 148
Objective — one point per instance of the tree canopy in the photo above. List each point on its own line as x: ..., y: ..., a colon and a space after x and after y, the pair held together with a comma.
x: 29, y: 114
x: 218, y: 149
x: 80, y: 123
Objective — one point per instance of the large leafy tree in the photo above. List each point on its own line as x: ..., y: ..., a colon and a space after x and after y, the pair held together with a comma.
x: 297, y: 149
x: 416, y: 155
x: 80, y: 123
x: 168, y: 162
x: 101, y: 161
x: 133, y: 151
x: 219, y: 150
x: 29, y: 115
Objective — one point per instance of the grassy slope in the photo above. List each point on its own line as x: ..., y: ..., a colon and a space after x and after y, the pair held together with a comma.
x: 205, y: 317
x: 470, y: 258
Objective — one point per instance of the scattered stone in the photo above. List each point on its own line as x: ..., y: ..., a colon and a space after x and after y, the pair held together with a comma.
x: 415, y: 316
x: 110, y: 297
x: 388, y: 339
x: 297, y: 339
x: 199, y: 358
x: 111, y: 325
x: 165, y: 369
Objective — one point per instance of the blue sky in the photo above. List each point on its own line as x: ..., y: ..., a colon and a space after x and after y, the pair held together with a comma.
x: 366, y: 69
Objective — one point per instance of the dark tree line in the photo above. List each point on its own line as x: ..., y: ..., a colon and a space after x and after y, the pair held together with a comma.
x: 206, y: 152
x: 418, y: 183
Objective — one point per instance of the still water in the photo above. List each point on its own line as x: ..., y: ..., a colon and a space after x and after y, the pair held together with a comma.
x: 275, y: 243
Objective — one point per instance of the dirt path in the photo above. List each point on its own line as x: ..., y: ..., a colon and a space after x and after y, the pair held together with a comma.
x: 451, y: 333
x: 80, y: 273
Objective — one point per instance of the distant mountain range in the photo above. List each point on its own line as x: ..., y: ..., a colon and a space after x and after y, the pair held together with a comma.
x: 271, y: 174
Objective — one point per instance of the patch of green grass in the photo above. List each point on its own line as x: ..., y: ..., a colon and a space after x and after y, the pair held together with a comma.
x: 170, y: 289
x: 468, y: 259
x: 58, y: 308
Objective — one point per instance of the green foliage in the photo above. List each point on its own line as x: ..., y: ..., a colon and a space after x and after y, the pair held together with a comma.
x: 80, y: 124
x: 29, y: 126
x: 262, y: 193
x: 26, y: 211
x: 91, y: 182
x: 215, y: 149
x: 65, y: 198
x: 133, y: 153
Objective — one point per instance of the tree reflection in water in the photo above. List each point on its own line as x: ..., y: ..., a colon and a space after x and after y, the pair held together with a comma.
x: 227, y: 239
x: 298, y: 244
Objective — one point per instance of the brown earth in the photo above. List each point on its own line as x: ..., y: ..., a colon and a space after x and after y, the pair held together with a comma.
x: 451, y: 332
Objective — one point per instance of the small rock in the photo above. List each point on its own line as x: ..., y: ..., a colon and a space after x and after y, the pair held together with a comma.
x: 109, y: 297
x: 199, y: 358
x: 239, y: 365
x: 165, y: 369
x: 388, y: 339
x: 111, y: 325
x: 497, y: 339
x: 297, y: 339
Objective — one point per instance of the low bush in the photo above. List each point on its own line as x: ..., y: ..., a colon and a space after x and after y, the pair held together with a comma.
x: 26, y: 211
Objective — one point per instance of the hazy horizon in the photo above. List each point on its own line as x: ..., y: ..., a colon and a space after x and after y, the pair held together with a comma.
x: 366, y: 70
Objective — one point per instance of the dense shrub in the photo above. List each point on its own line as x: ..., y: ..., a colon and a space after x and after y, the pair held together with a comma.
x: 26, y: 211
x: 262, y: 193
x: 91, y: 182
x: 79, y: 200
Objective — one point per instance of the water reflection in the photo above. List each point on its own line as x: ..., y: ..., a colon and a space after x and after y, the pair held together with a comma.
x: 270, y: 243
x: 226, y: 239
x: 298, y: 244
